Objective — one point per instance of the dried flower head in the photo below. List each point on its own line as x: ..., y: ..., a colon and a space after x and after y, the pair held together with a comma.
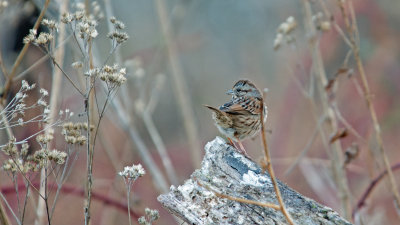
x: 117, y: 23
x: 320, y: 22
x: 20, y: 121
x: 46, y: 111
x: 119, y: 37
x: 16, y: 163
x: 42, y: 102
x: 26, y: 87
x: 44, y: 92
x: 152, y: 213
x: 30, y: 37
x: 13, y: 165
x: 16, y: 108
x: 278, y: 41
x: 150, y: 216
x: 113, y: 76
x: 288, y: 26
x: 44, y: 156
x: 24, y: 149
x: 67, y: 18
x: 44, y: 138
x: 92, y: 72
x: 10, y: 148
x: 51, y: 24
x: 57, y: 156
x: 133, y: 172
x: 73, y: 133
x: 86, y: 26
x: 77, y: 65
x: 43, y: 38
x: 284, y: 32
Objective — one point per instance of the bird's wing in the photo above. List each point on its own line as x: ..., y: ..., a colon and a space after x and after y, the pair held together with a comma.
x: 233, y: 107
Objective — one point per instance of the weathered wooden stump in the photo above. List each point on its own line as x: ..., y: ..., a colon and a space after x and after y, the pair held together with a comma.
x: 228, y: 172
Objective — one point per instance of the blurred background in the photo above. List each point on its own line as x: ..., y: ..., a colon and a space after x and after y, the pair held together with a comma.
x: 199, y: 49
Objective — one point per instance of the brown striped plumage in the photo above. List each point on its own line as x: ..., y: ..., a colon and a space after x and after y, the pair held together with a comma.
x: 239, y: 118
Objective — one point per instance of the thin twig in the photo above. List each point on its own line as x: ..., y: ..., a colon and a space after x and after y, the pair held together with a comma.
x: 343, y: 35
x: 59, y: 185
x: 14, y: 179
x: 9, y: 131
x: 128, y: 199
x: 66, y: 75
x: 271, y: 170
x: 370, y: 188
x: 101, y: 114
x: 242, y: 200
x: 25, y: 201
x: 3, y: 215
x: 46, y: 200
x: 33, y: 135
x: 9, y: 207
x: 89, y: 108
x: 109, y: 13
x: 2, y: 66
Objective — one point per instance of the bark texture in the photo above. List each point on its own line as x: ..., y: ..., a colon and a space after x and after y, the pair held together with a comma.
x: 228, y: 172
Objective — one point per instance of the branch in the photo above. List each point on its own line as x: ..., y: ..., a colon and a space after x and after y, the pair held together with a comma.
x: 371, y: 186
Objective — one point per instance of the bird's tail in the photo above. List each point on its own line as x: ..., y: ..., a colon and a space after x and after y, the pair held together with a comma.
x: 213, y: 109
x: 220, y: 117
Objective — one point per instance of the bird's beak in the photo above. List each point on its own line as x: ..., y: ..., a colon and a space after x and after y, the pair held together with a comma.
x: 229, y: 92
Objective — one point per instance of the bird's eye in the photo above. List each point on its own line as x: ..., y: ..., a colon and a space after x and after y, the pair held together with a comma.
x: 239, y: 90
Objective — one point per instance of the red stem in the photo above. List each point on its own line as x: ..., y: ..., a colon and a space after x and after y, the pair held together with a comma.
x: 71, y: 189
x: 371, y: 186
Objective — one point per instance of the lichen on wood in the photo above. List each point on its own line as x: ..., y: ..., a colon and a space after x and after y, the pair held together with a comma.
x: 231, y: 173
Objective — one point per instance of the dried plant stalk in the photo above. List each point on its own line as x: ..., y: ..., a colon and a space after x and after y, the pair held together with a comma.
x: 337, y: 158
x: 3, y: 216
x: 55, y: 92
x: 353, y: 36
x: 180, y: 89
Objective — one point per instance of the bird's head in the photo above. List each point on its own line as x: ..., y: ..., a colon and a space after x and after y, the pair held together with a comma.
x: 244, y: 88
